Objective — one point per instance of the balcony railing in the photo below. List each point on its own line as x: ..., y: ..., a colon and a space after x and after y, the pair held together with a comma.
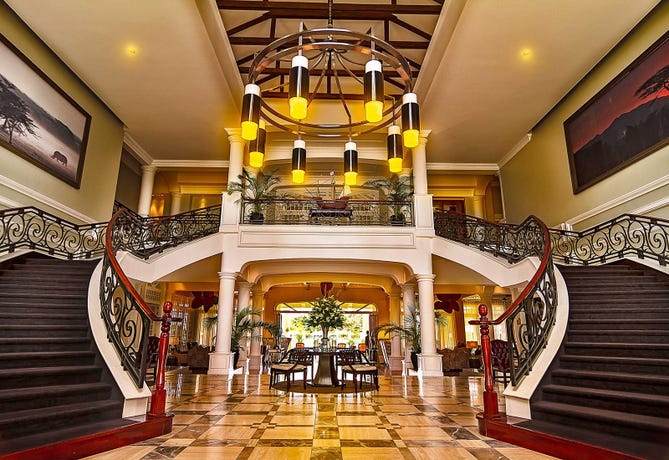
x: 326, y: 212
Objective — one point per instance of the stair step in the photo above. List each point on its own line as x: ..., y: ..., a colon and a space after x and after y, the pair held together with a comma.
x: 28, y: 344
x: 621, y: 349
x: 632, y: 292
x: 630, y: 335
x: 599, y: 269
x: 616, y: 364
x: 638, y: 426
x: 43, y: 318
x: 21, y: 284
x: 616, y: 324
x: 46, y: 359
x: 603, y: 302
x: 36, y: 376
x: 20, y: 423
x: 620, y: 381
x: 43, y: 330
x: 624, y: 401
x: 619, y: 313
x: 15, y: 399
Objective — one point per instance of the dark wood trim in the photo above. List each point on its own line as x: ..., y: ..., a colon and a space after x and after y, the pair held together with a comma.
x: 98, y: 442
x: 410, y: 28
x: 357, y: 72
x: 250, y: 23
x: 567, y: 449
x: 300, y: 9
x: 264, y: 41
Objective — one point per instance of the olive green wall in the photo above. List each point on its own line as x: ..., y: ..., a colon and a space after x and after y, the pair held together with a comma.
x: 23, y: 184
x: 537, y: 180
x: 127, y: 188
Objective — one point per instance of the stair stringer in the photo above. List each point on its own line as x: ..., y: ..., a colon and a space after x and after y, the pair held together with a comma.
x: 135, y: 400
x: 517, y: 398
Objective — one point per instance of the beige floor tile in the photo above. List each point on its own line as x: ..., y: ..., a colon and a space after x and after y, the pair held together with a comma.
x: 209, y: 453
x: 370, y: 453
x: 185, y: 419
x: 450, y: 453
x: 234, y: 419
x: 360, y: 420
x: 411, y: 420
x: 289, y: 432
x: 401, y: 408
x: 196, y: 406
x: 362, y: 432
x: 327, y: 443
x: 228, y: 432
x: 517, y: 453
x: 252, y: 408
x: 293, y: 420
x: 423, y: 433
x: 276, y: 453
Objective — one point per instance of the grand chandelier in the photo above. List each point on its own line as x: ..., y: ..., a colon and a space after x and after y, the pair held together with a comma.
x: 357, y: 62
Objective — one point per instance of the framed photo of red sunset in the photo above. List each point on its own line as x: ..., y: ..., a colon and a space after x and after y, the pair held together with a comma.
x: 627, y: 120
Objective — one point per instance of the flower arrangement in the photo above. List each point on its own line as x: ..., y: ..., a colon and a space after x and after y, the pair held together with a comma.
x: 325, y: 314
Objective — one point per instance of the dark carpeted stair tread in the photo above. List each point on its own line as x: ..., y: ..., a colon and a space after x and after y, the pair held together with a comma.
x: 33, y: 315
x: 44, y: 327
x: 642, y: 449
x: 629, y: 321
x: 54, y: 370
x: 47, y: 355
x: 637, y: 332
x: 61, y: 412
x: 642, y: 398
x: 9, y: 341
x: 46, y: 294
x: 616, y: 359
x: 646, y: 422
x: 614, y: 345
x: 51, y: 391
x: 631, y: 291
x: 618, y: 376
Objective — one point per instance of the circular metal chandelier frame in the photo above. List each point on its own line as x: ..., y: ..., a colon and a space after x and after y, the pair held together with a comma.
x: 332, y: 43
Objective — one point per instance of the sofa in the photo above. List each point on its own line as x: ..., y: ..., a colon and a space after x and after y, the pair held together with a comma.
x: 198, y: 359
x: 456, y: 359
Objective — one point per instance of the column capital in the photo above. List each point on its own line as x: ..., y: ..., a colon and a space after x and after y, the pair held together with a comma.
x: 244, y: 285
x: 227, y: 276
x: 234, y: 135
x: 426, y: 277
x: 424, y: 133
x: 257, y: 291
x: 395, y: 292
x: 409, y: 285
x: 148, y: 169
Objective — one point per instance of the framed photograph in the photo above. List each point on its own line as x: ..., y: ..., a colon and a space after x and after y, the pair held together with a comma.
x: 38, y: 121
x: 627, y: 120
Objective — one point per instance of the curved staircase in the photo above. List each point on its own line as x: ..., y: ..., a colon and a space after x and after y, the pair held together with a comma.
x: 54, y: 384
x: 609, y: 384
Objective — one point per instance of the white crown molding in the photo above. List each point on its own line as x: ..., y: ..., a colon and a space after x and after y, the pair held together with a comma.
x: 221, y: 164
x: 136, y: 150
x: 515, y: 149
x: 4, y: 201
x: 622, y: 199
x: 650, y: 207
x: 9, y: 183
x: 462, y: 167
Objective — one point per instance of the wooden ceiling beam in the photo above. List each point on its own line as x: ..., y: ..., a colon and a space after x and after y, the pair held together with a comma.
x: 264, y: 41
x: 299, y: 8
x: 322, y: 96
x: 357, y: 72
x: 248, y: 24
x: 411, y: 28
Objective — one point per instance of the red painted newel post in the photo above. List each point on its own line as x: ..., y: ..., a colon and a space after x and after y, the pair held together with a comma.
x: 490, y: 405
x: 159, y: 394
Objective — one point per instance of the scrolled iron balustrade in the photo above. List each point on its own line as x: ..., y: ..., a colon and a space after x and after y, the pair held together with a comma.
x: 126, y: 315
x: 626, y: 235
x: 32, y: 228
x: 289, y: 211
x: 530, y: 318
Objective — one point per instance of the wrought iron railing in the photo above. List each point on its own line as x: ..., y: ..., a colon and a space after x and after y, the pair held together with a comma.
x: 127, y: 317
x: 326, y: 212
x: 626, y: 235
x: 32, y: 228
x: 531, y: 316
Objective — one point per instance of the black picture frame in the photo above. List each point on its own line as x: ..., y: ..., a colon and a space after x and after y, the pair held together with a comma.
x: 624, y: 122
x: 38, y: 120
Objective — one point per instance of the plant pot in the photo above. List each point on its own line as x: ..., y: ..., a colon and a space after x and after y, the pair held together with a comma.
x: 235, y: 359
x: 256, y: 218
x: 414, y: 360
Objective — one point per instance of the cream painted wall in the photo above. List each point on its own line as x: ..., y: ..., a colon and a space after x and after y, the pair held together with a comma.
x: 537, y: 180
x: 24, y: 184
x: 127, y: 188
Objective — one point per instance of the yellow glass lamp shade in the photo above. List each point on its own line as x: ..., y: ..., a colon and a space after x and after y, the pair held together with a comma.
x: 395, y: 165
x: 256, y: 159
x: 374, y: 111
x: 410, y: 138
x: 250, y: 112
x: 298, y: 108
x: 298, y: 176
x: 257, y: 146
x: 249, y: 130
x: 350, y: 178
x: 410, y: 120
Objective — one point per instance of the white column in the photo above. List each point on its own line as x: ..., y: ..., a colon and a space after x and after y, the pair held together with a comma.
x: 231, y: 202
x: 175, y: 204
x: 243, y: 301
x: 429, y: 361
x: 409, y: 303
x: 220, y: 362
x: 146, y: 190
x: 255, y: 359
x: 395, y: 317
x: 419, y: 163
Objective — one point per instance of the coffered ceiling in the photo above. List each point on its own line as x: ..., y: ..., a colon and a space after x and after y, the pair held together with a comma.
x: 486, y: 71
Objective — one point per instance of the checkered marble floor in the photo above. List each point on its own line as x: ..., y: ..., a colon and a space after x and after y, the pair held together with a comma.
x: 241, y: 418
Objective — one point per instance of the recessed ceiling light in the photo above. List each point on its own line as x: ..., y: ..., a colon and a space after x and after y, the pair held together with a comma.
x: 526, y: 54
x: 131, y: 50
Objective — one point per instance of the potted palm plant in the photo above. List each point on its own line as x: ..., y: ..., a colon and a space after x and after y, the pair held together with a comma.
x: 257, y: 188
x: 410, y: 331
x: 244, y: 326
x: 397, y: 189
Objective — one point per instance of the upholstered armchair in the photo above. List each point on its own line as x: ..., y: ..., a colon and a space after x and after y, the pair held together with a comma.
x: 499, y: 351
x: 454, y: 359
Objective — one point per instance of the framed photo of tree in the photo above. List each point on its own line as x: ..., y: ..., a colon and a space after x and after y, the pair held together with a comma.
x: 38, y: 121
x: 627, y: 120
